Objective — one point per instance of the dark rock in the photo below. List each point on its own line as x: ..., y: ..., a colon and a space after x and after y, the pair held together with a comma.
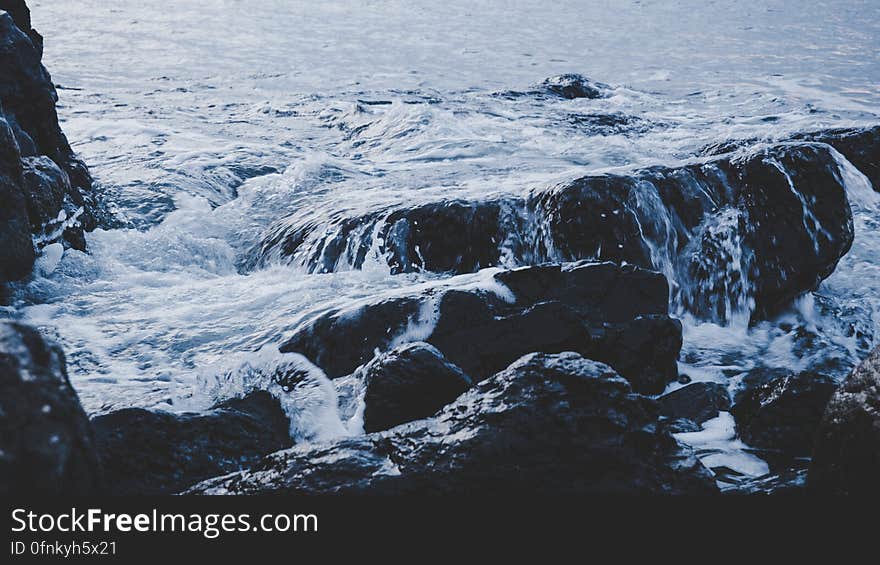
x: 643, y: 349
x: 52, y: 179
x: 21, y: 15
x: 797, y: 235
x: 599, y: 310
x: 782, y: 210
x: 789, y: 482
x: 17, y: 251
x: 698, y: 402
x: 571, y: 86
x: 45, y: 186
x: 147, y: 453
x: 449, y: 236
x: 846, y: 456
x: 46, y: 444
x: 601, y: 290
x: 472, y: 336
x: 781, y: 410
x: 409, y: 383
x: 682, y: 426
x: 549, y: 424
x: 860, y: 146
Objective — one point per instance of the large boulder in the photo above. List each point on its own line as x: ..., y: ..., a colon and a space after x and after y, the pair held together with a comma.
x: 549, y: 424
x: 613, y: 314
x: 145, y: 452
x: 780, y: 409
x: 846, y: 456
x: 409, y: 383
x: 46, y: 443
x: 37, y: 165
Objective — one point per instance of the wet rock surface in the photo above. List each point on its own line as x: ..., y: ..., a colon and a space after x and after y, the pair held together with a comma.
x: 147, y: 453
x: 846, y: 456
x: 697, y: 402
x: 860, y: 146
x: 549, y: 424
x: 614, y: 314
x: 409, y: 383
x: 751, y: 230
x: 37, y: 165
x: 46, y: 443
x: 780, y: 409
x: 17, y: 252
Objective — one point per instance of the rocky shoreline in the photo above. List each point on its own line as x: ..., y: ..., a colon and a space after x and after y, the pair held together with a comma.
x: 46, y: 194
x: 548, y: 377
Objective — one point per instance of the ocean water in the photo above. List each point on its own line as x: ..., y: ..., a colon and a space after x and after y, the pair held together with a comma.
x: 205, y: 123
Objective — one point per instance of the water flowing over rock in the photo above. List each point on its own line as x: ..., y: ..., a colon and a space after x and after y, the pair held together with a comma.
x: 44, y: 188
x: 549, y: 424
x: 148, y: 453
x: 743, y: 233
x: 46, y: 443
x: 616, y: 315
x: 846, y: 456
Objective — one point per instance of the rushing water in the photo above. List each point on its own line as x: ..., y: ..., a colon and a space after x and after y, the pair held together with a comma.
x: 205, y: 122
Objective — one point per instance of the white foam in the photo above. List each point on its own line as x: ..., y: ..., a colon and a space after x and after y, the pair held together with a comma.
x: 717, y: 446
x: 306, y: 394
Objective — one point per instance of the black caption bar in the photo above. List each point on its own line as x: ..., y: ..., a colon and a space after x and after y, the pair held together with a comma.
x: 125, y: 529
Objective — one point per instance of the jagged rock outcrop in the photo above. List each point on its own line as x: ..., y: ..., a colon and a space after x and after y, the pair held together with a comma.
x: 144, y: 452
x: 44, y: 188
x: 749, y: 231
x: 616, y: 315
x: 46, y: 443
x: 846, y: 455
x: 549, y: 424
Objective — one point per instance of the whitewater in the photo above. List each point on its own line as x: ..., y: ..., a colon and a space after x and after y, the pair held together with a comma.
x: 210, y: 123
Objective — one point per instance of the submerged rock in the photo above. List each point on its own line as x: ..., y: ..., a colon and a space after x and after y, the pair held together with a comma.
x: 46, y: 443
x: 37, y: 165
x: 609, y: 313
x: 549, y: 424
x: 697, y: 402
x: 846, y: 456
x: 148, y: 453
x: 409, y: 383
x: 781, y: 409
